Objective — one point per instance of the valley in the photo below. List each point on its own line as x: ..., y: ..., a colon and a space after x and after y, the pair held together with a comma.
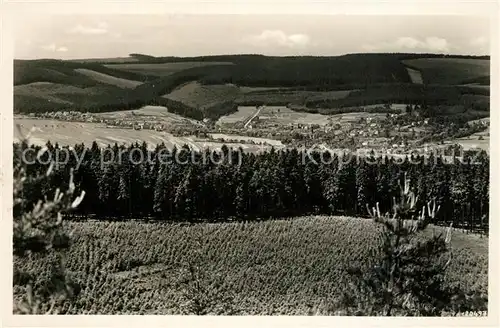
x: 324, y: 171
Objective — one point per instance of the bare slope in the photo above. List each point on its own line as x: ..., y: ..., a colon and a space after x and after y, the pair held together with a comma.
x: 108, y: 79
x: 71, y: 133
x: 162, y: 69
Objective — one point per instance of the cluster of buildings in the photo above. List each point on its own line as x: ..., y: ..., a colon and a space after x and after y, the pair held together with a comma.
x: 130, y: 122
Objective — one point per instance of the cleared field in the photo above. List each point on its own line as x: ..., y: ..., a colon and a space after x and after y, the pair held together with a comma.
x: 53, y: 92
x: 162, y: 69
x: 146, y: 113
x: 275, y: 143
x: 108, y: 79
x: 415, y: 76
x: 479, y: 140
x: 71, y: 133
x: 354, y: 117
x: 449, y: 70
x: 43, y: 88
x: 197, y: 95
x: 284, y: 115
x: 292, y: 267
x: 486, y: 120
x: 477, y: 86
x: 277, y: 114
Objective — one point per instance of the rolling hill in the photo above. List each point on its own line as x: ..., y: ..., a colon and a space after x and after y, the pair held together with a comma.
x: 212, y: 86
x: 273, y: 267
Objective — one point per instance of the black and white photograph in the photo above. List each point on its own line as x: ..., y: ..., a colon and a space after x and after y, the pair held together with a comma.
x: 250, y: 165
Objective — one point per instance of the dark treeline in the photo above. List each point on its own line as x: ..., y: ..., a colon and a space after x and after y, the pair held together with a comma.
x: 232, y: 184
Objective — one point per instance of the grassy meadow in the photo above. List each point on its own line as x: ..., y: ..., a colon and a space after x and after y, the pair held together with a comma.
x: 321, y: 84
x: 288, y: 267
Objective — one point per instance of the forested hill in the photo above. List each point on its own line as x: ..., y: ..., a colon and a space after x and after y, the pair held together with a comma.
x: 98, y: 85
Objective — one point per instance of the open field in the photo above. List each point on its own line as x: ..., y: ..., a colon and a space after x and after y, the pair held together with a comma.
x: 196, y: 95
x: 108, y: 79
x: 40, y: 88
x: 449, y: 70
x: 284, y: 115
x: 477, y: 85
x: 71, y: 133
x: 288, y: 267
x: 162, y: 69
x: 148, y: 113
x: 199, y: 95
x: 275, y: 143
x: 277, y: 114
x: 244, y: 89
x: 242, y: 114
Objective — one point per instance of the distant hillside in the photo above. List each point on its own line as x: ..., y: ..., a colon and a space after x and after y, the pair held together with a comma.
x: 312, y: 82
x: 450, y: 70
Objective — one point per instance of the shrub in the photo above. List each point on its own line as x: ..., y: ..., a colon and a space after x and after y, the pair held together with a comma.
x: 38, y: 231
x: 409, y: 278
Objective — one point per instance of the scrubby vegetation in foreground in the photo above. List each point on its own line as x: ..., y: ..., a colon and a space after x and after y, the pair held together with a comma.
x: 184, y: 184
x: 296, y: 266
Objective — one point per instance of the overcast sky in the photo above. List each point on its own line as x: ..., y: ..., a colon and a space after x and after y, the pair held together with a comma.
x: 174, y: 35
